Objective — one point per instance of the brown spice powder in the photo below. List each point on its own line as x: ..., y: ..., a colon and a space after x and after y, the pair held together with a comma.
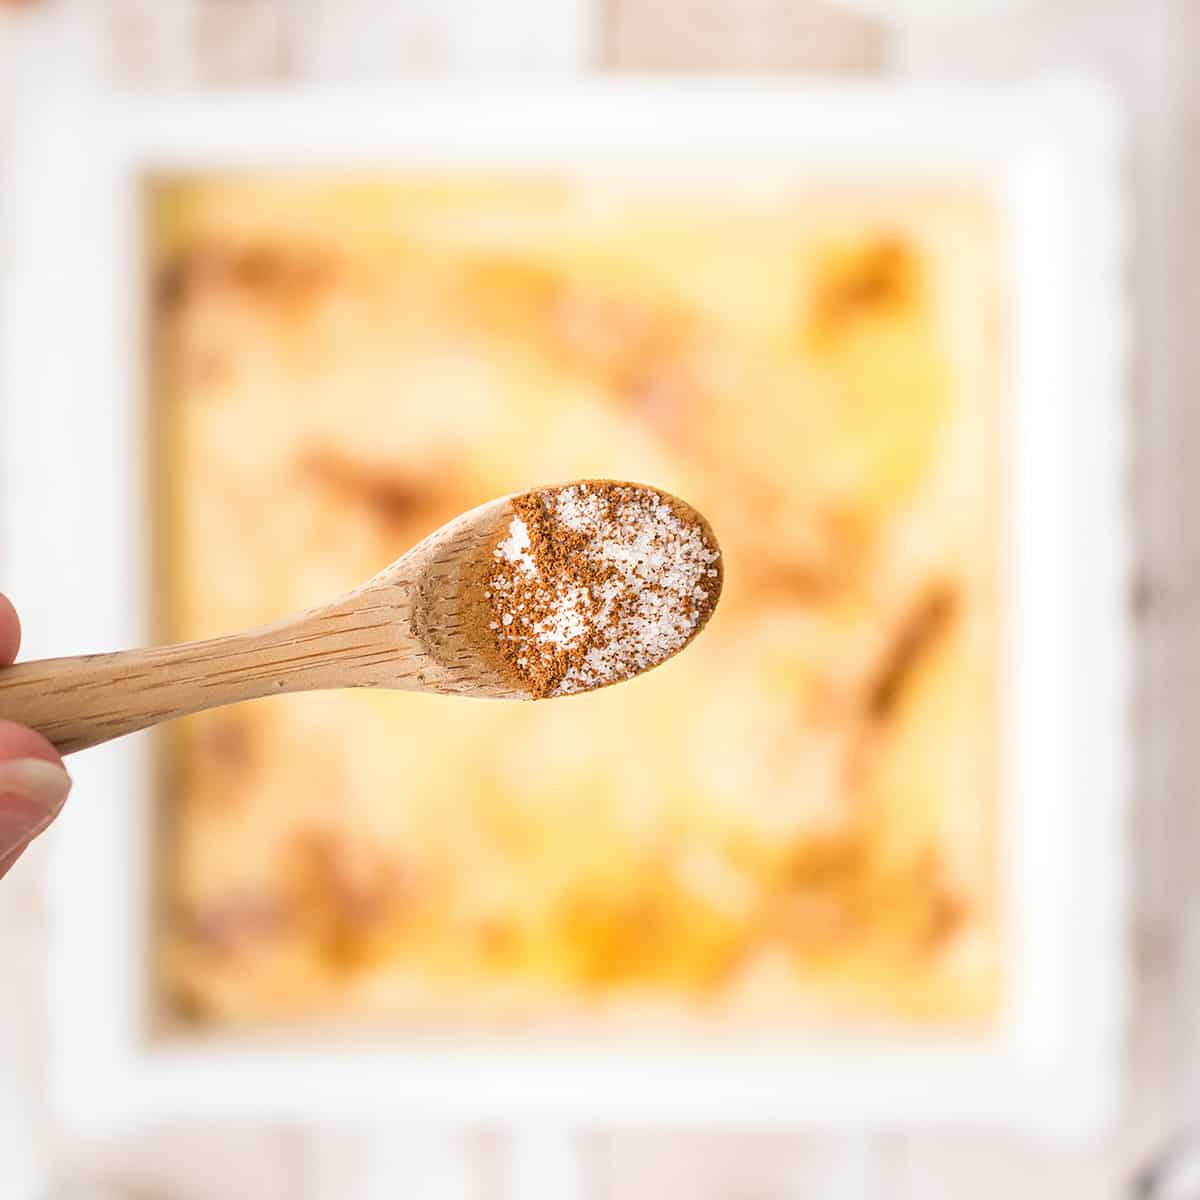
x: 598, y: 581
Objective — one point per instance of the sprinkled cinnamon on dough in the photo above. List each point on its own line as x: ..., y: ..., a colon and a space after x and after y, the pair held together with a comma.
x: 595, y: 582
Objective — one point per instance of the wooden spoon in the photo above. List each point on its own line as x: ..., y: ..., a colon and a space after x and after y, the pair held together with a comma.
x: 419, y: 625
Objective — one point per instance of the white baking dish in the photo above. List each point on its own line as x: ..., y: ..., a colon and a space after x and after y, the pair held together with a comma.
x: 73, y: 455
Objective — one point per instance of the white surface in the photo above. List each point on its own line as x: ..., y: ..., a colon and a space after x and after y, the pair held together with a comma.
x: 1050, y: 155
x: 376, y: 39
x: 412, y: 1162
x: 544, y: 1163
x: 932, y: 12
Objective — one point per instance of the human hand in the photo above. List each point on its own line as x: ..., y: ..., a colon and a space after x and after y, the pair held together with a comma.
x: 33, y: 781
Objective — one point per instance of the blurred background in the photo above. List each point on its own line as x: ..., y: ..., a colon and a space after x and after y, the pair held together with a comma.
x: 570, y: 323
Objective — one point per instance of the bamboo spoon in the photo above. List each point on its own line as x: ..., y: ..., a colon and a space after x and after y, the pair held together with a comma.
x: 419, y: 625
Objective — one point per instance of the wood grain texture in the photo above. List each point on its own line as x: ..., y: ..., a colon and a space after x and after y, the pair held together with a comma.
x: 201, y: 41
x: 190, y: 1161
x: 545, y: 1159
x: 1143, y: 49
x: 380, y: 39
x: 83, y: 701
x: 1169, y: 714
x: 727, y: 1166
x: 149, y: 41
x: 739, y: 35
x: 237, y: 41
x: 435, y: 1162
x: 26, y: 1136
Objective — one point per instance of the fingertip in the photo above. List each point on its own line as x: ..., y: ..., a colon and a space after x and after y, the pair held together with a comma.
x: 10, y: 631
x: 33, y: 789
x: 18, y: 741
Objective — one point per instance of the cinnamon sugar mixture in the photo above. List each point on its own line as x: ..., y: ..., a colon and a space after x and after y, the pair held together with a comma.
x: 596, y: 582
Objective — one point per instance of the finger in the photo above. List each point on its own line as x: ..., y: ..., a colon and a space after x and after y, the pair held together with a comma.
x: 10, y: 631
x: 18, y: 741
x: 33, y: 786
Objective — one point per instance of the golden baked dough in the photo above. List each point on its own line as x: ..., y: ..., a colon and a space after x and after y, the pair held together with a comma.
x: 793, y: 820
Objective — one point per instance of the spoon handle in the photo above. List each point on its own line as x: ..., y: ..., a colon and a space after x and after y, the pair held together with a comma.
x: 82, y: 701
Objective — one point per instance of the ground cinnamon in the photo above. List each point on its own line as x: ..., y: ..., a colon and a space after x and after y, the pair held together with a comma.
x: 595, y: 582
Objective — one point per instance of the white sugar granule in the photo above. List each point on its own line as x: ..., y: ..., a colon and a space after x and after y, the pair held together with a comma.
x: 624, y: 583
x: 568, y: 620
x: 515, y: 547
